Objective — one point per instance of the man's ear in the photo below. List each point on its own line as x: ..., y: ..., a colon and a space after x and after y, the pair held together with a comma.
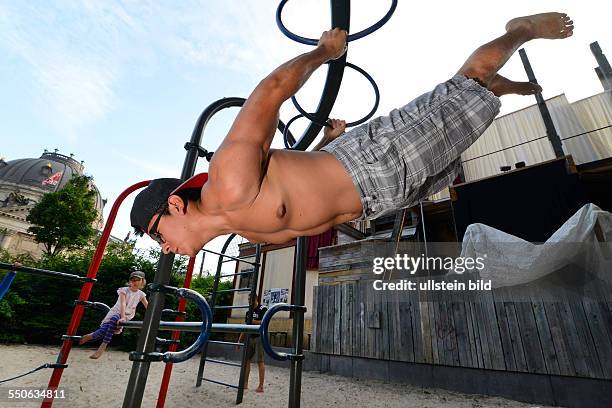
x: 176, y: 205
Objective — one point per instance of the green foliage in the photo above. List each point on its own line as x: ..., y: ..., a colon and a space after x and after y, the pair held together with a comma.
x: 63, y: 219
x: 38, y: 309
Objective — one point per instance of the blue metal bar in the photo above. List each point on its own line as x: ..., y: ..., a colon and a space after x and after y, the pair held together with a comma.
x: 264, y: 330
x: 180, y: 356
x: 6, y: 283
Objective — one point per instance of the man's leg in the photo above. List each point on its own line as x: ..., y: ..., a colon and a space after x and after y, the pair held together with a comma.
x: 247, y: 370
x: 484, y: 63
x: 262, y: 374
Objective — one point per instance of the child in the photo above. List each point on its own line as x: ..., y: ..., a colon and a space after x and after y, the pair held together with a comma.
x: 122, y: 311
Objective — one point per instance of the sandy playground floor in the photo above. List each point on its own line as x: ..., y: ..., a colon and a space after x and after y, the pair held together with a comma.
x: 101, y: 383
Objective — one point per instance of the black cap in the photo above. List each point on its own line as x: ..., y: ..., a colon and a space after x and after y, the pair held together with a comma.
x: 150, y: 200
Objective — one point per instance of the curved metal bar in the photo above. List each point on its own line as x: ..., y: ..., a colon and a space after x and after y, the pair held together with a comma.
x: 288, y: 142
x: 217, y: 106
x: 317, y: 120
x: 6, y: 283
x: 180, y: 356
x: 340, y: 16
x: 263, y: 329
x: 352, y: 37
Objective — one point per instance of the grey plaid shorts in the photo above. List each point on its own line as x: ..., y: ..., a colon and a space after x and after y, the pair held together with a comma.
x: 397, y: 160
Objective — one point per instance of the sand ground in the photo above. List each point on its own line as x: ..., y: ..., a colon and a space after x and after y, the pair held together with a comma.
x: 101, y: 383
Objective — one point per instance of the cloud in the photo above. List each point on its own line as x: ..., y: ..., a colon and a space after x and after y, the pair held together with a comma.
x: 73, y: 77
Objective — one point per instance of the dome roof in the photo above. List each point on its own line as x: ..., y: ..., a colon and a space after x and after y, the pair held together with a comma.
x: 49, y: 173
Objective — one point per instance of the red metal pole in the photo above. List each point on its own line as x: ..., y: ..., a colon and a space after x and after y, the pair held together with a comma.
x: 163, y: 389
x: 86, y: 290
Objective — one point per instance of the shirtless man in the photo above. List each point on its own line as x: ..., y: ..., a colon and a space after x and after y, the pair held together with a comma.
x: 391, y: 162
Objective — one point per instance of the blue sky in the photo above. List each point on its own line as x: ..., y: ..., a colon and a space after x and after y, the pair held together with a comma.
x: 121, y: 84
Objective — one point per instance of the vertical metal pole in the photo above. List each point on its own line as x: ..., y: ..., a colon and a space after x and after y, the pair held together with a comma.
x: 299, y: 287
x: 146, y: 340
x: 150, y: 324
x: 553, y: 136
x: 249, y: 320
x: 202, y: 264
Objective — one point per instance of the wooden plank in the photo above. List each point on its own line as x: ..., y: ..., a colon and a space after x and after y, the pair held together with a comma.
x: 383, y: 334
x: 364, y: 319
x: 452, y: 342
x: 432, y: 308
x: 530, y: 337
x: 480, y: 323
x: 315, y: 318
x: 324, y: 293
x: 470, y: 327
x: 559, y: 338
x: 406, y: 327
x: 395, y: 337
x: 504, y: 329
x: 417, y: 334
x: 586, y: 339
x: 356, y: 320
x: 461, y: 330
x: 330, y: 319
x: 337, y: 317
x: 515, y: 332
x: 575, y: 348
x: 596, y: 320
x: 492, y: 323
x: 546, y: 341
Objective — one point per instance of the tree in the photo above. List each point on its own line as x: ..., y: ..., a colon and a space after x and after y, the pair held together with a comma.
x: 63, y: 219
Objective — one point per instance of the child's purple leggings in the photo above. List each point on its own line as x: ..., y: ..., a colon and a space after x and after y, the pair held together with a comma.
x: 106, y: 330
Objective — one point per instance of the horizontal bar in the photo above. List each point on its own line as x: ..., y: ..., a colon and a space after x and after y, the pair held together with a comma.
x: 238, y: 259
x: 236, y: 274
x: 220, y: 382
x: 234, y: 290
x: 230, y: 257
x: 229, y: 363
x: 232, y: 307
x: 197, y: 327
x: 44, y: 272
x: 226, y: 343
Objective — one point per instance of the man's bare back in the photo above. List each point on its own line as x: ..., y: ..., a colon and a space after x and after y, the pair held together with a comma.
x: 269, y: 195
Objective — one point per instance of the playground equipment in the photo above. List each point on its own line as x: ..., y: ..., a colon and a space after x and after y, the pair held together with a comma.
x: 151, y: 324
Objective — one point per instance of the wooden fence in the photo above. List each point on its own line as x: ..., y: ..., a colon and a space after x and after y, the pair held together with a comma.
x: 499, y: 329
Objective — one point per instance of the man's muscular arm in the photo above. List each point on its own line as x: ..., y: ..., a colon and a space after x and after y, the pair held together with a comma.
x: 236, y: 169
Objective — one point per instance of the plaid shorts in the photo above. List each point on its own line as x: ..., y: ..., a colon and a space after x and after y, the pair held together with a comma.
x: 398, y: 160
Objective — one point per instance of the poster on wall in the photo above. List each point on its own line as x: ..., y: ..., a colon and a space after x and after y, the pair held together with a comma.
x: 275, y: 295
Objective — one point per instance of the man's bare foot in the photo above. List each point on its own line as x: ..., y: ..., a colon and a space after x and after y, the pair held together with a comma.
x: 259, y: 389
x: 246, y: 386
x: 545, y: 25
x: 85, y: 339
x: 500, y: 85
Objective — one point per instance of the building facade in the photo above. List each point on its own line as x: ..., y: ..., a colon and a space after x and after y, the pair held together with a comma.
x: 23, y: 183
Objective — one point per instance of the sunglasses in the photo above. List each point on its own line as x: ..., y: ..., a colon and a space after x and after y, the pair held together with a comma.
x: 153, y: 233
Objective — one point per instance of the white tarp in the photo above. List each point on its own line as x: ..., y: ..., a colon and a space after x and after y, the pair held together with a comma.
x: 510, y: 260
